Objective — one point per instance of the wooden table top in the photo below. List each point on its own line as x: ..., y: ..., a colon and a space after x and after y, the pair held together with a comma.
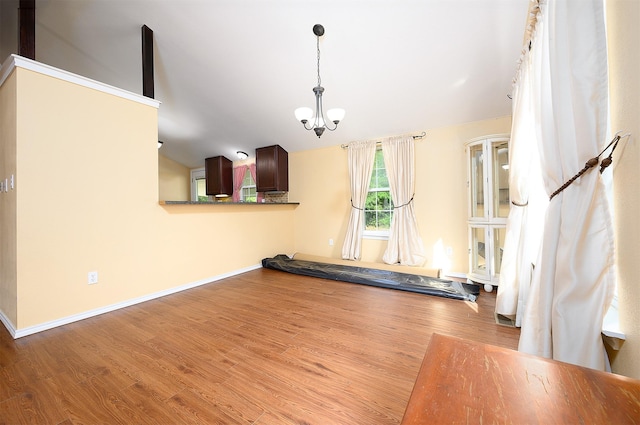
x: 466, y: 382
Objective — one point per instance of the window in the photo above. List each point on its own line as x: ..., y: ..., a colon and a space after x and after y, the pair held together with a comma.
x: 248, y: 190
x: 378, y: 208
x: 202, y: 190
x: 198, y: 186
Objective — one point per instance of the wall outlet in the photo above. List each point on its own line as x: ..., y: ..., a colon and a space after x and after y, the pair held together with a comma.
x: 92, y: 278
x: 330, y: 242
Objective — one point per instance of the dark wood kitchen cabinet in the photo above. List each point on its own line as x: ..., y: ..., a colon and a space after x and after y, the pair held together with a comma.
x: 219, y: 176
x: 272, y: 169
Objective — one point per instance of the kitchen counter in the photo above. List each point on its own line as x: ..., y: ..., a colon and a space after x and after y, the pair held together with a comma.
x: 225, y: 203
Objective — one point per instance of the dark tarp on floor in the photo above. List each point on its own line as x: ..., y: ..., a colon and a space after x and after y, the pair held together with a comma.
x: 381, y: 278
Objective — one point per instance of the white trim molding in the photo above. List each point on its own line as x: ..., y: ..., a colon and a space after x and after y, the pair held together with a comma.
x: 15, y: 61
x: 457, y: 275
x: 8, y: 324
x: 19, y: 333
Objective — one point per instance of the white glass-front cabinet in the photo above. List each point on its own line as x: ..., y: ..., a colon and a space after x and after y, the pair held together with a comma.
x: 489, y: 203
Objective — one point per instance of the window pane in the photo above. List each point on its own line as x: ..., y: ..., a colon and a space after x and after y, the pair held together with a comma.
x: 384, y: 220
x: 379, y: 176
x: 248, y: 194
x: 500, y: 179
x: 372, y: 201
x: 383, y: 180
x: 379, y: 160
x: 477, y: 181
x: 201, y: 190
x: 247, y: 180
x: 499, y: 234
x: 384, y: 201
x: 478, y: 253
x: 370, y: 220
x: 374, y: 179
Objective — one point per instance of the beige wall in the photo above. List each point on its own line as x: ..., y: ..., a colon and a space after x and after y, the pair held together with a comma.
x: 320, y: 181
x: 83, y: 205
x: 624, y: 64
x: 174, y: 180
x: 8, y: 242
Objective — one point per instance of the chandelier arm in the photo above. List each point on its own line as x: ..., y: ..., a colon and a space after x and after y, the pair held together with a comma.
x: 320, y: 114
x: 335, y: 126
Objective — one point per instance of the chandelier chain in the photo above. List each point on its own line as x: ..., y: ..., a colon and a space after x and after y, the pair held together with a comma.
x: 318, y: 46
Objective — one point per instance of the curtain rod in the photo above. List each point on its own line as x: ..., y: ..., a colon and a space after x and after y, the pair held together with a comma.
x: 416, y: 137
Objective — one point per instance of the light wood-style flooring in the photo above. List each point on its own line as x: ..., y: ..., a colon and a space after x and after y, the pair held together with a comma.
x: 263, y: 347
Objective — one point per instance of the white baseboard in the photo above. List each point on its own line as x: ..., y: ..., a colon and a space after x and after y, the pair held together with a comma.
x: 19, y: 333
x: 7, y: 324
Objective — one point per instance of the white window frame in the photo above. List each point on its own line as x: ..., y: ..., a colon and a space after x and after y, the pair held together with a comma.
x: 196, y: 174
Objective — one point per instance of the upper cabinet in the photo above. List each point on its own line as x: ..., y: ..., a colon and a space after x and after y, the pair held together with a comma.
x: 219, y: 176
x: 272, y: 169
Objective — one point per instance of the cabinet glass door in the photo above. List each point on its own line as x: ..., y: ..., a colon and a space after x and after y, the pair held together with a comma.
x: 476, y: 174
x: 500, y: 156
x: 499, y: 234
x: 479, y: 251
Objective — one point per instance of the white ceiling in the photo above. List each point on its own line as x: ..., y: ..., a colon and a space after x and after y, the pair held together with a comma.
x: 230, y: 73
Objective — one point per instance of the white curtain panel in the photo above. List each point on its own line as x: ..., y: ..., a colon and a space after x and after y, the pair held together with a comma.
x: 405, y: 245
x: 528, y: 197
x: 361, y: 156
x: 573, y: 281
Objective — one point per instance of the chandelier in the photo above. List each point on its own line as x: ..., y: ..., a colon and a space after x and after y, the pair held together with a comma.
x: 316, y: 120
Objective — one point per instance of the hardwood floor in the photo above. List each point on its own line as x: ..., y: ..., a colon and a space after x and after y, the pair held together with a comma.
x: 264, y: 347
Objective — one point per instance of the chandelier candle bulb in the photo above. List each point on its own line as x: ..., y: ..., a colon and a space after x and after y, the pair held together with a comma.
x: 336, y: 115
x: 304, y: 114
